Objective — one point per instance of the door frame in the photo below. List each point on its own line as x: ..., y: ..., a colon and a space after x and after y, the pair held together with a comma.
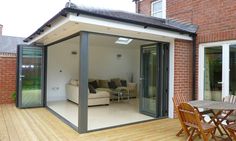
x: 19, y: 71
x: 225, y: 66
x: 161, y: 59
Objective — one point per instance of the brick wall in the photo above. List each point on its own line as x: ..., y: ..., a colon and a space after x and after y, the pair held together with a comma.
x: 144, y: 7
x: 183, y: 68
x: 7, y: 77
x: 216, y: 19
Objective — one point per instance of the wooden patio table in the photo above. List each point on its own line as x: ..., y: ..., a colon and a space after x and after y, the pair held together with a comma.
x: 218, y: 106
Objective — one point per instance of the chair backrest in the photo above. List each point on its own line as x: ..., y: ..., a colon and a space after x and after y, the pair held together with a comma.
x: 189, y: 116
x: 177, y: 99
x: 230, y: 99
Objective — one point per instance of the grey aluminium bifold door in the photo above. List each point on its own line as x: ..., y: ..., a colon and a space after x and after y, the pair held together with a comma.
x: 30, y: 76
x: 154, y: 79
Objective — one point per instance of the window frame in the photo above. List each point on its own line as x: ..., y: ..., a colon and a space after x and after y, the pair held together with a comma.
x: 162, y: 11
x: 225, y: 66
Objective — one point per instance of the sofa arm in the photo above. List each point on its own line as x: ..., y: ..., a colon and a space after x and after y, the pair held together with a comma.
x: 72, y: 93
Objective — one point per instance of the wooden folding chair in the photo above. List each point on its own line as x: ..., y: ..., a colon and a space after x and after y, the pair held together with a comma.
x: 190, y: 117
x: 181, y: 99
x: 177, y: 100
x: 232, y: 130
x: 232, y: 117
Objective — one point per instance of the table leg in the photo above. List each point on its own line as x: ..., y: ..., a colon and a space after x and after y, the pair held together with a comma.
x: 218, y: 122
x: 215, y: 120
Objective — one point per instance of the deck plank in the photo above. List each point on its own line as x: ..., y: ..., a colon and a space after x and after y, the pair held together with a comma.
x: 40, y: 125
x: 23, y: 128
x: 12, y: 131
x: 3, y: 128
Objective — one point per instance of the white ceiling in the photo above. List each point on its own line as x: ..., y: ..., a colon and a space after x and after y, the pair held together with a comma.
x: 99, y: 40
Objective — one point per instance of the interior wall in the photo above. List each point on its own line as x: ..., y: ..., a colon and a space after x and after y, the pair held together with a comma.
x: 62, y: 66
x: 105, y: 64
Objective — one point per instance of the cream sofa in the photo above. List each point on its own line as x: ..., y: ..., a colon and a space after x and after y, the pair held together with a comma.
x: 98, y: 98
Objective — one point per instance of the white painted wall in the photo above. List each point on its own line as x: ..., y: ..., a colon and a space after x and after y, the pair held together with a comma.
x: 61, y: 59
x: 104, y: 64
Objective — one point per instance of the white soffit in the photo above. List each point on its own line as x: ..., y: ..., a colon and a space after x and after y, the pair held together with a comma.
x: 101, y: 22
x: 72, y: 24
x: 49, y: 31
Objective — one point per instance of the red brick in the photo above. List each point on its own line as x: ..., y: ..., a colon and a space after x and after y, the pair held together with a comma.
x: 7, y: 79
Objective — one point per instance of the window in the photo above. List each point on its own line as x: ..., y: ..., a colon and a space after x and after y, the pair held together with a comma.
x: 158, y: 9
x: 217, y: 67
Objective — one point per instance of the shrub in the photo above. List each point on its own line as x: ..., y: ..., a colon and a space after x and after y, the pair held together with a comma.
x: 13, y: 96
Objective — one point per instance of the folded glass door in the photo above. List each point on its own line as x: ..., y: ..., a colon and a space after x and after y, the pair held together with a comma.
x: 149, y: 77
x: 30, y: 72
x: 154, y: 80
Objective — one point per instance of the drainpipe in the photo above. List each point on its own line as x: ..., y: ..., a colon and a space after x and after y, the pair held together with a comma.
x: 194, y: 67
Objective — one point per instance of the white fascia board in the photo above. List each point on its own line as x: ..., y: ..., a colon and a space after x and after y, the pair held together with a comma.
x: 55, y: 26
x: 126, y: 26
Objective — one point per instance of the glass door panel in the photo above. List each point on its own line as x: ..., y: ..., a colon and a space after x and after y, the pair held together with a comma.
x: 30, y: 83
x: 213, y: 73
x: 149, y: 80
x: 232, y: 75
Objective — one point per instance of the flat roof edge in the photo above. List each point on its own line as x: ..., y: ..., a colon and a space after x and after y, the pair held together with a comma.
x: 67, y: 10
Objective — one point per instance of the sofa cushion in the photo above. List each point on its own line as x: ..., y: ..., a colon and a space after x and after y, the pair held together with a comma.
x: 91, y: 89
x: 94, y: 84
x: 101, y: 94
x: 104, y: 89
x: 112, y: 85
x: 117, y: 82
x: 103, y: 84
x: 123, y: 83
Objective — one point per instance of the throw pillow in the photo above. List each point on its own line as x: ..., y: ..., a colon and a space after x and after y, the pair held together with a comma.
x: 91, y: 89
x: 117, y: 82
x: 94, y: 84
x: 112, y: 85
x: 103, y: 84
x: 123, y: 83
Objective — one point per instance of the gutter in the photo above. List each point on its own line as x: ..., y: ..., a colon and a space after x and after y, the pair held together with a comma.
x: 194, y: 68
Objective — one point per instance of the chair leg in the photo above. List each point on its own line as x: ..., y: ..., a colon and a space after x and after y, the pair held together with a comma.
x: 205, y: 136
x: 232, y: 134
x: 213, y: 135
x: 191, y: 135
x: 180, y: 132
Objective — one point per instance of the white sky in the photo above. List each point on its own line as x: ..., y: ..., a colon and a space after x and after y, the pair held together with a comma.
x: 22, y: 17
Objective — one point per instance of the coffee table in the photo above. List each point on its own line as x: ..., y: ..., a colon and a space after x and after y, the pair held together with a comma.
x: 120, y: 94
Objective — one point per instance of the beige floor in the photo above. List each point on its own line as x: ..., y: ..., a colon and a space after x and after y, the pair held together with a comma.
x: 102, y: 116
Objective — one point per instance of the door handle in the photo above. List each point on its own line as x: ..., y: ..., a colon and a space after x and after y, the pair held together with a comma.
x: 22, y: 76
x: 220, y: 82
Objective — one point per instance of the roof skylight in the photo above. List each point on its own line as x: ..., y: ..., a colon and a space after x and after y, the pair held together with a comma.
x: 123, y: 41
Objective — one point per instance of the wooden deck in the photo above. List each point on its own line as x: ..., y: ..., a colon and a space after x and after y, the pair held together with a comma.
x: 40, y: 124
